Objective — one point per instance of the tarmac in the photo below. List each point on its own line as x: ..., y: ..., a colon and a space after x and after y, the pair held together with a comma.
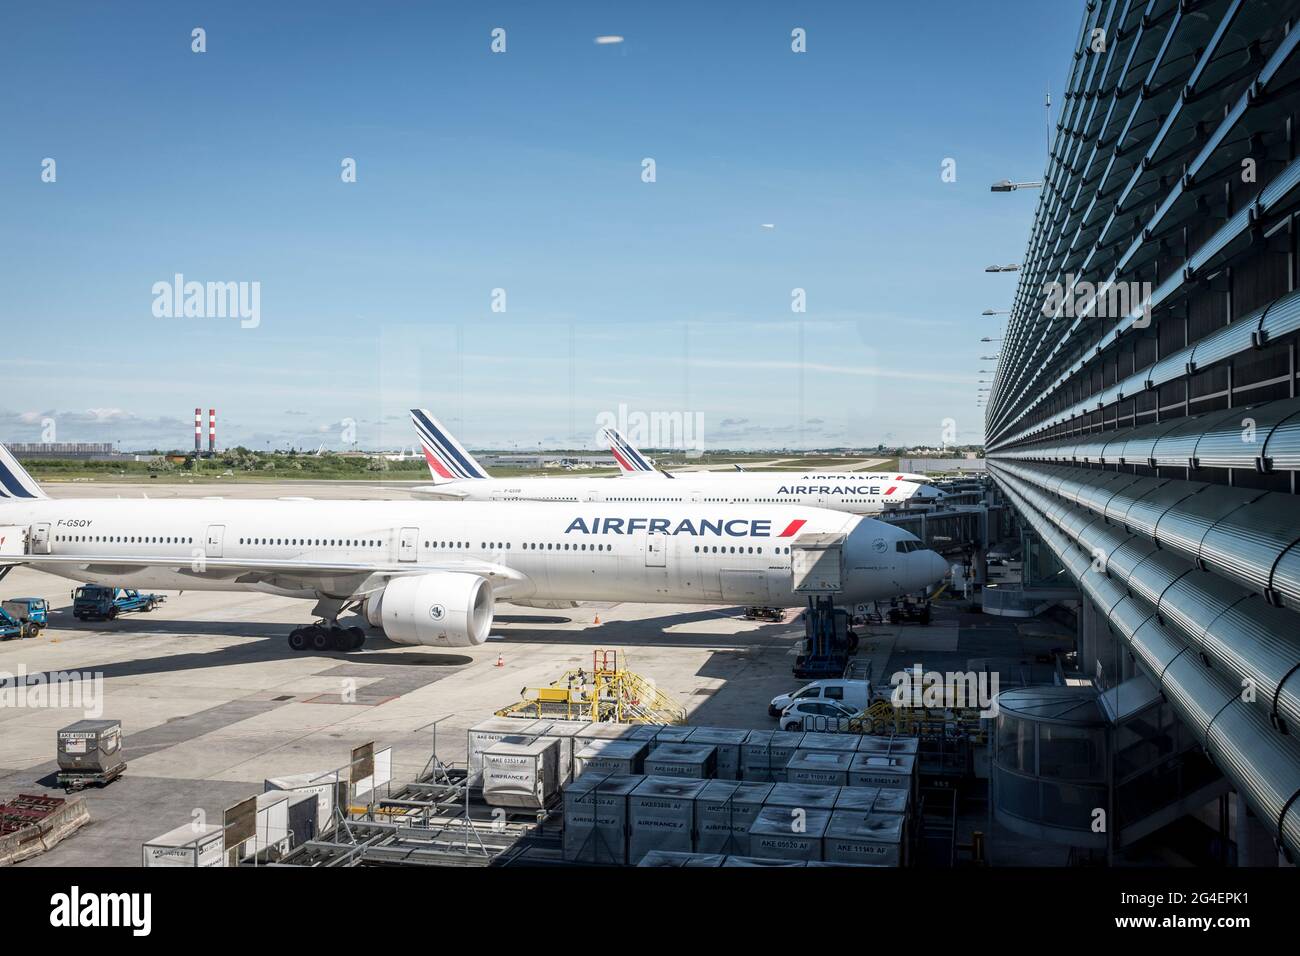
x: 213, y: 701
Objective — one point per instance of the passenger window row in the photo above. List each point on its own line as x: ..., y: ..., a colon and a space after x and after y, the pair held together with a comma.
x: 726, y: 549
x: 121, y: 539
x: 622, y: 498
x: 313, y: 542
x: 550, y: 546
x: 431, y: 545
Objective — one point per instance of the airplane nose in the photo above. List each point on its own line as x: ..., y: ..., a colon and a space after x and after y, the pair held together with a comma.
x: 936, y: 567
x: 879, y: 564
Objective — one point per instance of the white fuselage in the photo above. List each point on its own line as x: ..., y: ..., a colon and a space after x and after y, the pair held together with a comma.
x: 807, y: 477
x: 648, y: 552
x: 849, y: 493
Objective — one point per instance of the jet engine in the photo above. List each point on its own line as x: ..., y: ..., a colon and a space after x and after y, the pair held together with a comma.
x: 442, y: 608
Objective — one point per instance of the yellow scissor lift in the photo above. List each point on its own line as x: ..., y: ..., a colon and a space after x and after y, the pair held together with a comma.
x: 607, y: 692
x: 882, y: 717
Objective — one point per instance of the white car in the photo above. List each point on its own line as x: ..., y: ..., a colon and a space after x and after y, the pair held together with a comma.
x: 851, y: 693
x: 816, y: 715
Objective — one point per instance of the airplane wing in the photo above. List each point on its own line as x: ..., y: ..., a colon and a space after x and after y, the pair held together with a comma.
x: 356, y: 579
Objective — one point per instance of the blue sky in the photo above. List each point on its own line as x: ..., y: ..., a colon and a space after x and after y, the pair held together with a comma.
x: 519, y: 171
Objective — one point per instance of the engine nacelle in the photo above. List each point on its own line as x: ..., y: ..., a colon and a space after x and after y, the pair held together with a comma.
x: 441, y: 608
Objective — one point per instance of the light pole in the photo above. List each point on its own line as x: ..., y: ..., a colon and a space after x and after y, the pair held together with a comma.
x: 995, y: 311
x: 1007, y: 186
x: 1010, y: 267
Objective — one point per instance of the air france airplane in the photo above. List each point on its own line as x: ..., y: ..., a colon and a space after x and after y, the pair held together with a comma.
x: 428, y: 573
x: 633, y: 464
x: 457, y: 474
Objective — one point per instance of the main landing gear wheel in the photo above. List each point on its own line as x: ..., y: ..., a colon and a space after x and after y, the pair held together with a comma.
x: 326, y: 637
x: 346, y: 639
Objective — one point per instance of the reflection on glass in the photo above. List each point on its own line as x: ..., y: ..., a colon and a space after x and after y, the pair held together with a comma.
x: 1071, y: 753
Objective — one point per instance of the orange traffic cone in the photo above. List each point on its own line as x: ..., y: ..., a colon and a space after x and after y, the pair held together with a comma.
x: 501, y: 661
x: 597, y: 621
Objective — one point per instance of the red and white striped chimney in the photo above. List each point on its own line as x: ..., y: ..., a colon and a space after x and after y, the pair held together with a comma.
x: 212, y: 431
x: 198, y: 430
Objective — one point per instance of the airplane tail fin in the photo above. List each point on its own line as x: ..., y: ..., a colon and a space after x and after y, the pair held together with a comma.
x: 448, y: 460
x: 631, y: 463
x: 15, y: 483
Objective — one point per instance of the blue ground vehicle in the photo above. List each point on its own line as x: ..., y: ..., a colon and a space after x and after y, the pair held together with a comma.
x: 94, y: 602
x: 29, y: 610
x: 11, y: 626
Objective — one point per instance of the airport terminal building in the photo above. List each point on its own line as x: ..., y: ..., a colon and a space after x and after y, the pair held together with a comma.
x: 1144, y: 420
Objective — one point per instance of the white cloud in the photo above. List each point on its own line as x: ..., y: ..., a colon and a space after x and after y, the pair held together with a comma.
x: 859, y: 371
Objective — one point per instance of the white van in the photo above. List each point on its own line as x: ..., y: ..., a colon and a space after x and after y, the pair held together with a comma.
x: 850, y: 693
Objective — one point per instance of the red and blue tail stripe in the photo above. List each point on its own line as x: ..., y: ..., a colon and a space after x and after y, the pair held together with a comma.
x: 629, y: 459
x: 447, y: 458
x: 15, y: 483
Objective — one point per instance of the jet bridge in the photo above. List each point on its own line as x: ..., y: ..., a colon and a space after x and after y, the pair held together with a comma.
x: 817, y: 563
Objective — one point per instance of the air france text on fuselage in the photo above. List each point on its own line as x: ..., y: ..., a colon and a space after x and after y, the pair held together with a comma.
x: 720, y: 527
x: 864, y: 490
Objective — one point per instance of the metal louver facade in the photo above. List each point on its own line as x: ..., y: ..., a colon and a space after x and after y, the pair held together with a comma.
x: 1154, y: 447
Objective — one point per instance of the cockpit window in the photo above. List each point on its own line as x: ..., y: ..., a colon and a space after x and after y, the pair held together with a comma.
x: 907, y: 547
